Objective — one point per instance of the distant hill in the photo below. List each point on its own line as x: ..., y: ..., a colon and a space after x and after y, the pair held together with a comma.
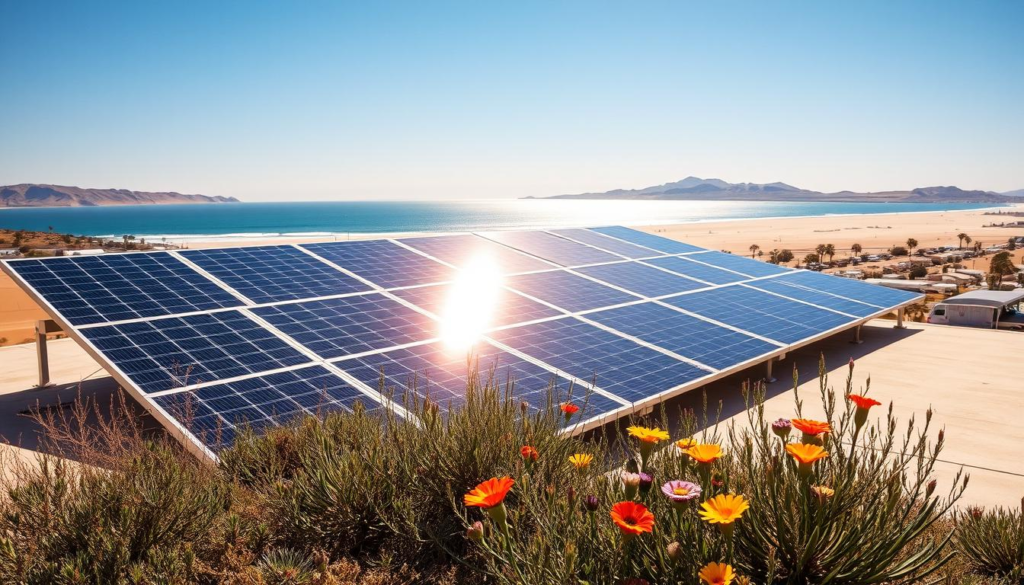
x: 695, y: 188
x: 1017, y: 193
x: 30, y: 195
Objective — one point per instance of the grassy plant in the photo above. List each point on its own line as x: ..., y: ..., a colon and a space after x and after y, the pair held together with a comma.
x: 993, y: 542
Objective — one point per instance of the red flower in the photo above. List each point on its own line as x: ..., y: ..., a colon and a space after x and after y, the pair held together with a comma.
x: 632, y: 518
x: 489, y: 493
x: 863, y: 401
x: 569, y: 408
x: 529, y: 453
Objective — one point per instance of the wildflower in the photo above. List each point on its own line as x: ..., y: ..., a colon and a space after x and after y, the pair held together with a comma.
x: 806, y: 455
x: 646, y: 481
x: 684, y: 444
x: 724, y: 510
x: 591, y: 503
x: 630, y: 483
x: 864, y: 404
x: 568, y: 409
x: 529, y: 453
x: 782, y: 427
x: 716, y: 574
x: 822, y: 493
x: 475, y: 532
x: 706, y: 454
x: 716, y: 481
x: 490, y: 496
x: 680, y: 492
x: 581, y: 460
x: 675, y: 551
x: 812, y: 429
x: 648, y: 435
x: 632, y: 518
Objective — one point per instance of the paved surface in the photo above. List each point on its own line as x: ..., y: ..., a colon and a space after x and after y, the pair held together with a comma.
x: 971, y: 378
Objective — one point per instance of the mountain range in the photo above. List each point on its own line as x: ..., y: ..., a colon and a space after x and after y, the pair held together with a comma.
x: 33, y: 195
x: 695, y: 188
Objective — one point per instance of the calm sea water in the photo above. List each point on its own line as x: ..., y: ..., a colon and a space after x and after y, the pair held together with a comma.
x: 179, y: 222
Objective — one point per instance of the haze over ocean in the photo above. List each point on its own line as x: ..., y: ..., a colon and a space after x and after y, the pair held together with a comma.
x: 324, y: 218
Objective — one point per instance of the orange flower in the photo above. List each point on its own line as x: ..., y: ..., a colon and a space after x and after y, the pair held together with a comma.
x: 716, y: 574
x: 806, y: 455
x: 685, y: 444
x: 632, y: 518
x: 723, y: 509
x: 811, y: 427
x: 707, y: 453
x: 581, y: 460
x: 863, y: 401
x: 648, y: 435
x: 568, y: 408
x: 529, y: 453
x: 489, y: 493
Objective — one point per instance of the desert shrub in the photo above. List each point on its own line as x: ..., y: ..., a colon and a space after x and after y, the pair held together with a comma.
x: 992, y: 542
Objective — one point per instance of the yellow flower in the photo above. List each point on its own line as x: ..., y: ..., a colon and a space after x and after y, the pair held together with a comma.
x: 723, y: 509
x: 716, y: 574
x: 647, y: 435
x: 581, y: 460
x: 685, y: 444
x: 707, y: 453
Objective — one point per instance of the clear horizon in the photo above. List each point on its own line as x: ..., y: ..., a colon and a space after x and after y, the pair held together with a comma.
x: 464, y: 101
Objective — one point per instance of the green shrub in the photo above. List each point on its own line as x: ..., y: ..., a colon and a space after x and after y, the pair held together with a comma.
x: 993, y: 542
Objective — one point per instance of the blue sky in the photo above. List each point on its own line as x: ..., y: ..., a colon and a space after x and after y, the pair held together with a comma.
x: 418, y: 100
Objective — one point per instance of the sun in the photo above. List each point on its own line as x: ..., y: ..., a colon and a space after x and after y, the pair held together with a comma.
x: 471, y: 303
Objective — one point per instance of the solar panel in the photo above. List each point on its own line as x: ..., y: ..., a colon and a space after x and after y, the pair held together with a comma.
x: 663, y: 245
x: 829, y: 301
x: 701, y: 341
x: 760, y: 313
x: 641, y: 279
x: 174, y: 352
x: 509, y: 307
x: 551, y: 247
x: 747, y: 266
x: 266, y: 274
x: 98, y: 289
x: 682, y: 265
x: 332, y: 328
x: 383, y: 263
x: 615, y: 364
x: 854, y: 289
x: 568, y: 291
x: 436, y: 372
x: 462, y: 250
x: 213, y: 413
x: 607, y: 243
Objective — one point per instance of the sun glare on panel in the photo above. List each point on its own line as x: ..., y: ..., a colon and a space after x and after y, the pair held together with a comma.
x: 471, y: 303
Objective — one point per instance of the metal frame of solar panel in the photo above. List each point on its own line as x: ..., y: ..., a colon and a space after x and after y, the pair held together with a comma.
x: 553, y: 329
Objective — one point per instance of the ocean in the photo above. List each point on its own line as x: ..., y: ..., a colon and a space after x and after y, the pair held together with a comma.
x: 263, y: 220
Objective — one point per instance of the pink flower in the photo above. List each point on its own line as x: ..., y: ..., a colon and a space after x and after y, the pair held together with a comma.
x: 680, y: 491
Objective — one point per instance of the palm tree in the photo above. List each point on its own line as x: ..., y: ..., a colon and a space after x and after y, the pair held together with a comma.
x: 760, y: 254
x: 856, y: 249
x: 753, y: 249
x: 831, y: 251
x: 773, y: 256
x: 820, y: 249
x: 967, y: 239
x: 962, y: 236
x: 1001, y: 264
x: 911, y: 243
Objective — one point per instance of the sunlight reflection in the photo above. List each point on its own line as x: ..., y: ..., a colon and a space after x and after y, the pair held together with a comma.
x: 471, y: 303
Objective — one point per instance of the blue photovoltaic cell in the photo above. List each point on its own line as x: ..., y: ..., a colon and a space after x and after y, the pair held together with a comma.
x: 383, y: 263
x: 348, y: 325
x: 853, y: 289
x: 213, y: 413
x: 658, y: 243
x: 795, y: 291
x: 615, y: 364
x: 440, y: 374
x: 266, y: 274
x: 687, y: 336
x: 606, y: 243
x: 681, y: 265
x: 118, y: 287
x: 760, y: 313
x: 179, y: 351
x: 509, y: 307
x: 748, y: 266
x: 641, y: 279
x: 568, y: 291
x: 551, y: 247
x: 462, y: 250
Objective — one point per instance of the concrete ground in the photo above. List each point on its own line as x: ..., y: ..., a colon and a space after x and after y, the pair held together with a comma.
x: 971, y: 378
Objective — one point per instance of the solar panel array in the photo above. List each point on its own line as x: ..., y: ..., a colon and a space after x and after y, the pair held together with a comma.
x: 210, y: 340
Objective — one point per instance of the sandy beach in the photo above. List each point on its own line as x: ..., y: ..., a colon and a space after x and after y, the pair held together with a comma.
x: 874, y: 232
